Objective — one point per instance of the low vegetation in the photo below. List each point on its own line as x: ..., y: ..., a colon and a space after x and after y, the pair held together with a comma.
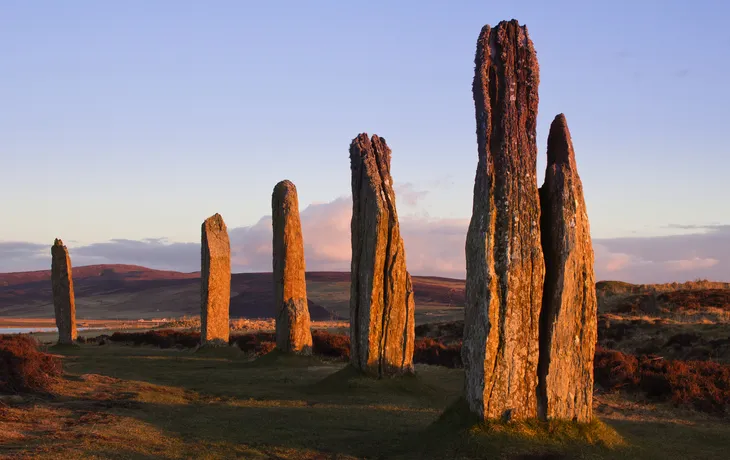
x: 24, y: 368
x: 120, y: 401
x: 164, y: 338
x: 662, y: 374
x: 704, y: 385
x: 617, y: 288
x: 665, y: 338
x: 691, y: 302
x: 324, y: 343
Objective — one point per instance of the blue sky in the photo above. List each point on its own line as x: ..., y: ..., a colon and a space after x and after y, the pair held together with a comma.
x: 138, y: 119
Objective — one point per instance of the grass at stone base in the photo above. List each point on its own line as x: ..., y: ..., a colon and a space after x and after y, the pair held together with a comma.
x: 460, y: 433
x: 138, y: 402
x: 61, y: 347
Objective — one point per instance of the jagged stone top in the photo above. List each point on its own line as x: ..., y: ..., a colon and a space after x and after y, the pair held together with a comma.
x: 58, y: 243
x: 560, y: 145
x: 374, y: 153
x: 507, y: 75
x: 493, y: 44
x: 215, y: 223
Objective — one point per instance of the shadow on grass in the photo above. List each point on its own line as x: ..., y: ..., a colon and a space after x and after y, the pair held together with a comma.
x: 63, y: 347
x: 278, y: 358
x: 350, y: 379
x: 221, y: 352
x: 308, y: 430
x: 302, y: 407
x: 362, y: 431
x: 276, y: 376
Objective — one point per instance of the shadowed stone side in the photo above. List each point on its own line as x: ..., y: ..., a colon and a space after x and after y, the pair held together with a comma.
x: 293, y: 328
x: 504, y: 261
x: 215, y: 281
x: 382, y: 305
x: 568, y: 318
x: 62, y: 284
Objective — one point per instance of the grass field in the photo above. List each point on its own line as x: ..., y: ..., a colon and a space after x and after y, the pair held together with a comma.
x: 139, y: 402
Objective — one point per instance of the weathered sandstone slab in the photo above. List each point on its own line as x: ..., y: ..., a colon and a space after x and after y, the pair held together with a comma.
x: 215, y: 281
x: 381, y: 293
x: 64, y: 304
x: 568, y: 326
x: 293, y: 329
x: 504, y: 260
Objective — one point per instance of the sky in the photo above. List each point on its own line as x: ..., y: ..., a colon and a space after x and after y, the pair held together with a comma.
x: 125, y: 124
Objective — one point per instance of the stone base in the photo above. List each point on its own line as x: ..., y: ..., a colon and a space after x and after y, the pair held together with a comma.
x: 387, y: 374
x: 458, y: 419
x: 215, y: 343
x: 306, y: 351
x: 64, y: 346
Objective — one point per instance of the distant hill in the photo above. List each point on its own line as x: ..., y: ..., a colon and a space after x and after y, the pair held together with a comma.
x: 125, y: 272
x: 134, y: 292
x: 621, y: 287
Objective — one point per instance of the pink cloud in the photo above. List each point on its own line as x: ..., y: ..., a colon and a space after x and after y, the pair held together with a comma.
x: 690, y: 264
x: 433, y: 247
x: 611, y: 262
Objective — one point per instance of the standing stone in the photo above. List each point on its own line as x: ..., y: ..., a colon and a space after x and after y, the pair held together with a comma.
x: 381, y: 293
x: 215, y: 281
x: 504, y: 261
x: 568, y: 317
x: 293, y: 332
x: 64, y: 303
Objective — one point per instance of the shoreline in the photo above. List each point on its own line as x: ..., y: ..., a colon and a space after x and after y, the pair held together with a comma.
x: 6, y: 323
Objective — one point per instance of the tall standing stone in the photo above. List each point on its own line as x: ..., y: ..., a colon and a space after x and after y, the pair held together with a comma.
x: 504, y: 261
x: 381, y: 293
x: 568, y: 317
x: 293, y: 329
x: 64, y: 304
x: 215, y: 281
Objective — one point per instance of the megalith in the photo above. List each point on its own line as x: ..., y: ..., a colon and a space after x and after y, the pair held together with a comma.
x: 504, y: 260
x: 293, y: 329
x: 215, y: 281
x: 64, y: 304
x: 568, y: 317
x: 382, y: 306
